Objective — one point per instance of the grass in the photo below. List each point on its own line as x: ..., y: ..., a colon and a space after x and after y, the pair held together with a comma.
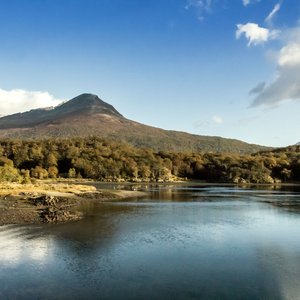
x: 46, y: 186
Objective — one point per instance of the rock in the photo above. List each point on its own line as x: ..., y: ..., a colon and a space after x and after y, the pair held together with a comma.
x: 57, y: 215
x: 45, y: 200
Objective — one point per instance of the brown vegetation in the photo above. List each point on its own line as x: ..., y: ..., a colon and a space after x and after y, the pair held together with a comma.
x: 99, y: 159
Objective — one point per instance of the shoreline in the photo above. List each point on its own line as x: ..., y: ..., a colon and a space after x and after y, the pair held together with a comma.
x: 51, y: 202
x: 60, y: 201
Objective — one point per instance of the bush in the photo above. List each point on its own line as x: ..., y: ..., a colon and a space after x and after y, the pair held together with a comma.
x: 39, y: 173
x: 9, y: 174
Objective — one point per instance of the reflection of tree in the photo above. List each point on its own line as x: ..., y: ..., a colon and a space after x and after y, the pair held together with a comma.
x: 84, y: 244
x: 205, y: 248
x: 288, y: 204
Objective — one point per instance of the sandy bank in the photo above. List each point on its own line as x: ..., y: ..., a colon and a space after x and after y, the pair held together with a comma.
x: 50, y: 202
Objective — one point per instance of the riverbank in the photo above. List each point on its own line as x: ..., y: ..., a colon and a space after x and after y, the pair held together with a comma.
x: 50, y: 202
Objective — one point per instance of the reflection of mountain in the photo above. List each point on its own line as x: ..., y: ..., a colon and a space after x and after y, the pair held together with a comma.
x: 98, y: 224
x: 20, y: 244
x: 225, y: 247
x: 88, y: 115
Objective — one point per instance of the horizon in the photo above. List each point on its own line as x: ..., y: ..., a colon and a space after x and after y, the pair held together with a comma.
x: 204, y: 67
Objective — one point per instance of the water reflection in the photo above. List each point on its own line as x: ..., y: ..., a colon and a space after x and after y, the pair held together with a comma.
x: 14, y: 238
x: 179, y: 242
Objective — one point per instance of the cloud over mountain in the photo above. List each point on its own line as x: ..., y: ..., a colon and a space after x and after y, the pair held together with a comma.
x: 18, y: 100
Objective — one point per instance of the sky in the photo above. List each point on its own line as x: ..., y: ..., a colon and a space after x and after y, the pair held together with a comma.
x: 227, y: 68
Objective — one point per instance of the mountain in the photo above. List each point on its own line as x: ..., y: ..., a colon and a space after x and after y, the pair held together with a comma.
x: 87, y: 115
x: 82, y: 106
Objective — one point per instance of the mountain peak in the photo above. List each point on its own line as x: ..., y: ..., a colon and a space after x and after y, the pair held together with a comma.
x: 88, y: 103
x: 84, y: 106
x: 86, y: 98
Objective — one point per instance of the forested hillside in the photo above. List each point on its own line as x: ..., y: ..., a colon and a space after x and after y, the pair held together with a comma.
x: 105, y: 160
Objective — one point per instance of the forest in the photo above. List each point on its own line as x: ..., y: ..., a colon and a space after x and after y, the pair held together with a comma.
x: 99, y: 159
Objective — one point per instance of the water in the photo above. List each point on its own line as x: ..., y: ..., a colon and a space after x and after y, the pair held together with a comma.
x: 180, y: 242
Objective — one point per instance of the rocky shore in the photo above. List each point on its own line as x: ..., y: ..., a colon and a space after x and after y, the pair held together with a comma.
x: 50, y: 203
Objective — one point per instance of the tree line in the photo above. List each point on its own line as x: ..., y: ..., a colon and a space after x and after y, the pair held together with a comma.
x: 104, y: 160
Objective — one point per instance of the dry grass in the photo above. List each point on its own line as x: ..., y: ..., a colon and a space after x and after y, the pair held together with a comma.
x: 40, y: 187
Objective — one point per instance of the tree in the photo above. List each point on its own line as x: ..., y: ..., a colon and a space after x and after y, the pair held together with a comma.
x: 72, y: 173
x: 286, y: 174
x: 52, y: 172
x: 10, y: 174
x: 39, y: 173
x: 51, y: 160
x: 26, y: 176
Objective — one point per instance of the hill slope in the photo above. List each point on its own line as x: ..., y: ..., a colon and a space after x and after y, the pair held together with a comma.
x: 87, y: 115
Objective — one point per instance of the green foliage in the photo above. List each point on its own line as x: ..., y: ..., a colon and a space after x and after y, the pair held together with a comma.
x: 52, y: 172
x: 105, y: 160
x: 39, y: 173
x: 26, y: 176
x: 72, y: 173
x: 5, y: 161
x: 9, y: 174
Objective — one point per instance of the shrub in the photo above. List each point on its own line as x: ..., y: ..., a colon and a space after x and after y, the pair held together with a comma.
x: 10, y: 174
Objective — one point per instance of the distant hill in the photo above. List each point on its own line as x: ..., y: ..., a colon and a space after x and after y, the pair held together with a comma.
x: 87, y: 115
x: 282, y: 151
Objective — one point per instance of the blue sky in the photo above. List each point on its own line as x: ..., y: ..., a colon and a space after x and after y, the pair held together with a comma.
x: 227, y: 68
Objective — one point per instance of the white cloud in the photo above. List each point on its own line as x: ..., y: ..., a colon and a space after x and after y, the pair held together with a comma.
x: 209, y: 123
x: 286, y: 85
x: 255, y: 34
x: 202, y: 7
x: 217, y: 120
x: 202, y: 4
x: 17, y: 100
x: 246, y: 2
x: 289, y: 55
x: 258, y: 88
x: 273, y: 12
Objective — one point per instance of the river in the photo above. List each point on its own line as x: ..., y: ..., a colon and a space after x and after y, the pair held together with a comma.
x: 191, y: 241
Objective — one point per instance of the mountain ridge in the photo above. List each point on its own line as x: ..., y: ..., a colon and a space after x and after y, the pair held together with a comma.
x: 88, y: 115
x: 82, y: 104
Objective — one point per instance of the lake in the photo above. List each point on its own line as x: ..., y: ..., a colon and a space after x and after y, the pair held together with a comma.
x: 190, y: 241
